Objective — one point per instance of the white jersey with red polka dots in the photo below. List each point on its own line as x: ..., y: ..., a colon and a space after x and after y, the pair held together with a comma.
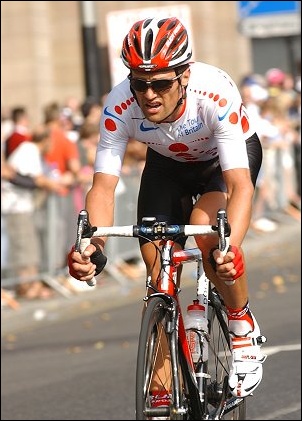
x: 214, y: 122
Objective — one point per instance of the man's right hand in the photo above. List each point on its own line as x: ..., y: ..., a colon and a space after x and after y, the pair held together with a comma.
x: 86, y: 265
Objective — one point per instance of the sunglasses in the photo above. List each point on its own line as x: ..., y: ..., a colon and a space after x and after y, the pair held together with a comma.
x: 141, y: 85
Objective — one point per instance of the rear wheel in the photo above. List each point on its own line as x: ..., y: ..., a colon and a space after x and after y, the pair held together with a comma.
x: 219, y: 365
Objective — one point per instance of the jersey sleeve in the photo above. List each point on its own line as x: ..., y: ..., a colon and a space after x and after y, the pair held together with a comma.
x: 230, y: 123
x: 115, y: 131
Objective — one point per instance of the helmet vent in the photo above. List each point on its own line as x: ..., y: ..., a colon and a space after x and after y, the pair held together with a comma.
x: 148, y: 44
x: 137, y: 47
x: 171, y: 25
x: 161, y: 22
x: 146, y: 23
x: 160, y: 46
x: 183, y: 49
x: 181, y: 52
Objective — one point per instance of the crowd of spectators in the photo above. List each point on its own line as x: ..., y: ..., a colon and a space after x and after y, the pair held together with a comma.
x: 46, y: 172
x: 273, y: 100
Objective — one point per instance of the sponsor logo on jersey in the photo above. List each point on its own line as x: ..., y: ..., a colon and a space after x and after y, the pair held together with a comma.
x: 146, y: 129
x: 222, y: 117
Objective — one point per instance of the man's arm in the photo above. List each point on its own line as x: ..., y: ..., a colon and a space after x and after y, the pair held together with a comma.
x: 100, y: 202
x: 10, y: 174
x: 100, y: 208
x: 240, y: 191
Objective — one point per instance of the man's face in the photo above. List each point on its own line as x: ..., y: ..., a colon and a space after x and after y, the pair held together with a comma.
x: 157, y: 100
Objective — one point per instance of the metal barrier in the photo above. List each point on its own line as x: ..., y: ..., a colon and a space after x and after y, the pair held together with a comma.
x: 56, y: 224
x: 123, y: 249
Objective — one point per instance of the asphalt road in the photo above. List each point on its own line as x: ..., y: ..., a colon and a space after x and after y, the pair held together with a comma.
x: 76, y: 361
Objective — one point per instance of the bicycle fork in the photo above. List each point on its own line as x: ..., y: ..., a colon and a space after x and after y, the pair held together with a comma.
x: 177, y: 408
x: 178, y: 340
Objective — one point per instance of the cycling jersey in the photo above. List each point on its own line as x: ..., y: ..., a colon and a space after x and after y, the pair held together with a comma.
x: 213, y: 123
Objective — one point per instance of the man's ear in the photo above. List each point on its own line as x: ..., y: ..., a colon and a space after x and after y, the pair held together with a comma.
x: 185, y: 77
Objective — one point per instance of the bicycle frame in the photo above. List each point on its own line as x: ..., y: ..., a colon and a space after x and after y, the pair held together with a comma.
x: 169, y: 272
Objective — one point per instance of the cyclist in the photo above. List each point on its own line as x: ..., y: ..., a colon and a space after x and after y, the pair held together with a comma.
x: 203, y: 154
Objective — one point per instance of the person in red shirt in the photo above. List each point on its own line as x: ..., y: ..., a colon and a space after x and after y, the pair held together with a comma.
x: 20, y: 132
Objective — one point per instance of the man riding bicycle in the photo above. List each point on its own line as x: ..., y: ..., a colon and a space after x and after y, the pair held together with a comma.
x: 203, y: 154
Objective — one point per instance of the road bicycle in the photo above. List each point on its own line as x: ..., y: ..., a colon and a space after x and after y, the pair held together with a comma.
x: 197, y: 390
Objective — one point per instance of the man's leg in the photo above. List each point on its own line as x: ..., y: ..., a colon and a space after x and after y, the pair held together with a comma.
x: 246, y: 372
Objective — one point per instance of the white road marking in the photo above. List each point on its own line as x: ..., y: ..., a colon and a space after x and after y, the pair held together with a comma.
x: 271, y: 350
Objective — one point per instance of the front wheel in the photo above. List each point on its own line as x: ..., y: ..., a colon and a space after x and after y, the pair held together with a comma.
x: 154, y: 375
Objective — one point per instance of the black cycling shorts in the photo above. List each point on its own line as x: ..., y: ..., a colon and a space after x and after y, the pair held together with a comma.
x: 168, y: 187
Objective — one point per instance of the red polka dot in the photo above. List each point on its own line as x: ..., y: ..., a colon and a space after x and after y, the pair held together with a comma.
x: 124, y: 106
x: 245, y: 124
x: 223, y: 102
x: 211, y: 95
x: 216, y: 98
x: 110, y: 125
x: 178, y: 147
x: 128, y: 102
x: 233, y: 119
x: 118, y: 109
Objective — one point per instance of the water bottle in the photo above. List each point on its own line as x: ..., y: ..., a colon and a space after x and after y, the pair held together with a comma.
x: 195, y: 319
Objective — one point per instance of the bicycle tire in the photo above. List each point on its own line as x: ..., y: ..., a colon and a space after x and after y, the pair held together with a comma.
x: 156, y: 324
x: 219, y: 398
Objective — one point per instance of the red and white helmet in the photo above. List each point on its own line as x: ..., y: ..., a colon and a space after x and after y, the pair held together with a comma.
x: 156, y: 44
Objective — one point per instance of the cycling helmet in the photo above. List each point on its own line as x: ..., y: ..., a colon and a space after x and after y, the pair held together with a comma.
x: 156, y: 44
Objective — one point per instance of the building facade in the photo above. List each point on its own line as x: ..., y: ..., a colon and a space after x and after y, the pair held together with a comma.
x: 42, y: 54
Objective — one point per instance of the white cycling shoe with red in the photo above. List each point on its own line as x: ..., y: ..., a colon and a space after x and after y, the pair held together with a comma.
x: 246, y: 371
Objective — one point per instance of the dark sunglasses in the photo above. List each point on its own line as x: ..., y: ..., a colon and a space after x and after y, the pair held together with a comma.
x: 141, y: 85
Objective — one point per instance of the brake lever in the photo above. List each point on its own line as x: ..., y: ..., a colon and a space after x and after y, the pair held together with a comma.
x: 84, y: 233
x: 224, y: 231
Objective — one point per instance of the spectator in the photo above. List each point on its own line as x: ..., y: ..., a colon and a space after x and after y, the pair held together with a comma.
x: 88, y: 139
x: 91, y: 110
x: 74, y: 106
x: 63, y: 160
x: 18, y: 210
x: 20, y: 131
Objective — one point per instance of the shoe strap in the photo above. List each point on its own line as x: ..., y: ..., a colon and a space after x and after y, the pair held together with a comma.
x: 243, y: 341
x: 248, y: 358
